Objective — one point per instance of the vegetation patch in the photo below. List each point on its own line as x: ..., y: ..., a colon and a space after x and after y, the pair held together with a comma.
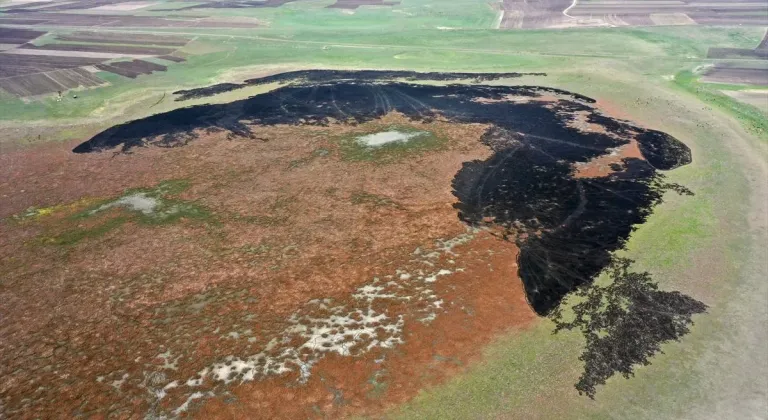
x: 151, y: 206
x: 36, y: 213
x: 385, y: 144
x: 624, y: 323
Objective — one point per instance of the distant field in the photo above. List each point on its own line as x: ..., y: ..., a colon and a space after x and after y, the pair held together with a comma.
x: 567, y: 13
x: 211, y: 54
x: 350, y: 33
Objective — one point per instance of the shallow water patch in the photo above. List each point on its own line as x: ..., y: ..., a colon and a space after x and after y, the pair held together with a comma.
x: 388, y: 137
x: 144, y: 205
x: 388, y: 144
x: 152, y: 205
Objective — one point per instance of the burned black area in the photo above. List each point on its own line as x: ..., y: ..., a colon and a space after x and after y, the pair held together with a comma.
x: 359, y: 102
x: 312, y: 77
x: 625, y: 323
x: 662, y: 150
x: 566, y: 227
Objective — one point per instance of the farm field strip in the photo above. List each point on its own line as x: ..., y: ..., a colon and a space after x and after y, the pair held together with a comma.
x: 89, y: 20
x: 561, y: 13
x: 120, y: 38
x: 736, y: 75
x: 49, y: 82
x: 70, y: 53
x: 39, y: 76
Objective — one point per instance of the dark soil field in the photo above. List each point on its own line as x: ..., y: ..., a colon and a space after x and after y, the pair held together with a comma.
x: 721, y: 53
x: 32, y: 75
x: 565, y: 13
x: 131, y: 69
x: 49, y: 82
x: 117, y: 49
x: 763, y: 43
x: 123, y: 21
x: 17, y: 36
x: 172, y: 58
x: 734, y: 73
x: 262, y: 257
x: 19, y: 65
x: 28, y: 75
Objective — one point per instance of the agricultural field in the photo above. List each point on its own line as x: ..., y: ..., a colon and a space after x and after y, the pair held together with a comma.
x: 414, y: 209
x: 612, y: 13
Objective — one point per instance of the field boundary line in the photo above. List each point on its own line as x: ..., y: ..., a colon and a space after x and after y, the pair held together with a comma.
x: 567, y: 9
x: 497, y: 24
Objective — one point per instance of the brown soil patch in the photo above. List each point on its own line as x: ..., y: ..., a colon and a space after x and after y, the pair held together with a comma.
x: 612, y: 109
x: 483, y: 301
x: 542, y: 97
x: 608, y: 164
x: 581, y: 122
x: 119, y: 324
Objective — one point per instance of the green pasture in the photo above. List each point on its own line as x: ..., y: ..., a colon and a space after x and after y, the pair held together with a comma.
x: 651, y: 51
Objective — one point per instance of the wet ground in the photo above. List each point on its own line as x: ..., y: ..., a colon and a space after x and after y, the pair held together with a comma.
x: 291, y: 270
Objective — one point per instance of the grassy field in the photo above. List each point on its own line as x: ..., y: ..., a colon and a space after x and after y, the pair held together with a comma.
x: 214, y: 54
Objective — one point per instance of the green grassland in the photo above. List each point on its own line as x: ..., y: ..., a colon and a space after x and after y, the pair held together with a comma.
x: 215, y: 54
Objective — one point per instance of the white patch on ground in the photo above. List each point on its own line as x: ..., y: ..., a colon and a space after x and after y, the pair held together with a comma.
x: 387, y: 137
x: 137, y: 202
x: 117, y: 383
x: 184, y: 407
x: 393, y: 11
x: 352, y: 329
x: 433, y: 277
x: 198, y: 380
x: 702, y: 68
x: 160, y: 393
x: 429, y: 318
x: 169, y: 362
